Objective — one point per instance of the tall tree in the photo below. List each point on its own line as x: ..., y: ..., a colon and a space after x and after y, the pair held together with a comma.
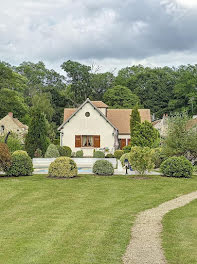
x: 42, y: 102
x: 135, y: 119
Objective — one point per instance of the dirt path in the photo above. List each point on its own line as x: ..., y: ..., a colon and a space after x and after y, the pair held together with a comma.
x: 145, y: 244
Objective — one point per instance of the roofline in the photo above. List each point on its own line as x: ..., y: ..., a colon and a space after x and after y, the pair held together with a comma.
x: 81, y: 106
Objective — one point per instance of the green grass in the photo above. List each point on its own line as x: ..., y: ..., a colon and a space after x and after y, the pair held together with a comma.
x: 77, y: 221
x: 180, y: 235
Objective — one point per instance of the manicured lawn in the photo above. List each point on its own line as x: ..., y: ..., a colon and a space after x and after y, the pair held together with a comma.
x: 180, y: 235
x: 77, y: 221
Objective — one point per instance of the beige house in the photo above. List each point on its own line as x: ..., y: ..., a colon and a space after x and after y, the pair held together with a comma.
x: 94, y: 126
x: 11, y: 124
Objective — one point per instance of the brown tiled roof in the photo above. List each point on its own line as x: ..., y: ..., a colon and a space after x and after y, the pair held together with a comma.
x: 68, y: 112
x: 156, y: 122
x: 19, y: 124
x: 120, y: 118
x: 99, y: 104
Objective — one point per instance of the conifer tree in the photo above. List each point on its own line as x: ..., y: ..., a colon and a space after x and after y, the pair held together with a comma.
x: 135, y: 119
x: 37, y: 134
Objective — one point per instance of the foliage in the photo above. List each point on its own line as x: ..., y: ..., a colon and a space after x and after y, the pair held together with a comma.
x: 120, y: 97
x: 177, y: 167
x: 65, y: 151
x: 127, y: 149
x: 124, y: 157
x: 52, y: 152
x: 79, y: 154
x: 5, y: 157
x: 21, y: 164
x: 14, y: 142
x: 109, y: 155
x: 103, y: 167
x: 141, y: 159
x: 118, y: 153
x: 42, y: 102
x: 63, y: 167
x: 98, y: 154
x: 134, y: 119
x: 38, y: 153
x: 37, y: 134
x: 145, y: 135
x: 158, y: 156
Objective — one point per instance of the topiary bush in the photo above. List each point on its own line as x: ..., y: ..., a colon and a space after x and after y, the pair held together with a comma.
x: 63, y: 167
x: 5, y: 157
x: 64, y: 151
x: 38, y: 153
x: 123, y: 158
x: 118, y: 153
x: 21, y: 164
x: 109, y: 155
x: 127, y: 149
x: 103, y: 167
x: 177, y: 167
x: 79, y: 154
x: 98, y: 154
x: 52, y: 152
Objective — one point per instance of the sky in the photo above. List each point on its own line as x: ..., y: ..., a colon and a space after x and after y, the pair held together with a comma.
x: 111, y: 34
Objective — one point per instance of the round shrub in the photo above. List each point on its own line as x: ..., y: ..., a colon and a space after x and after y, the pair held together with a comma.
x: 63, y: 167
x: 64, y: 151
x: 98, y: 154
x: 118, y: 153
x: 123, y: 158
x: 5, y: 157
x: 38, y: 153
x: 127, y: 149
x: 109, y: 155
x: 79, y: 154
x: 103, y: 167
x: 52, y: 151
x: 177, y: 167
x: 21, y: 164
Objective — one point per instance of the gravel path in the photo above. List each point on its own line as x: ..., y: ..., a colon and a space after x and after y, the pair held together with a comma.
x: 145, y: 245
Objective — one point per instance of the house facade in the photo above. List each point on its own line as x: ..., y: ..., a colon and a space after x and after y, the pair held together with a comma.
x: 93, y: 126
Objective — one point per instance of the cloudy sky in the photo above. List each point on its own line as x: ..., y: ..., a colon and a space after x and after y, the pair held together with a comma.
x: 109, y: 33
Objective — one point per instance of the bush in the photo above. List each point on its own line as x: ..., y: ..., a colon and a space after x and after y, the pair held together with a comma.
x: 52, y: 152
x: 63, y: 167
x: 158, y: 157
x: 38, y: 153
x: 141, y: 159
x: 79, y: 154
x: 177, y: 167
x: 5, y: 157
x: 109, y: 155
x: 103, y: 167
x: 21, y: 164
x: 64, y: 151
x: 123, y: 158
x: 98, y: 154
x: 118, y: 153
x: 14, y: 142
x: 127, y: 149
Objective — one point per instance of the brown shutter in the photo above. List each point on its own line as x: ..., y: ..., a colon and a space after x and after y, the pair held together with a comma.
x: 122, y: 143
x: 97, y: 141
x: 77, y: 141
x: 129, y: 141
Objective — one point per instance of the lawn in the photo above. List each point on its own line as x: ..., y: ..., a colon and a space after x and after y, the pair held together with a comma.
x: 180, y: 235
x: 77, y: 221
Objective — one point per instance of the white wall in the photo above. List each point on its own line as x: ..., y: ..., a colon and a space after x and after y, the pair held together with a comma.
x: 95, y: 124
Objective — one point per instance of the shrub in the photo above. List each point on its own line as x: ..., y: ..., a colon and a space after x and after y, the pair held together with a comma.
x: 141, y: 159
x: 158, y: 157
x: 109, y: 155
x: 14, y: 142
x: 103, y: 167
x: 123, y: 158
x: 98, y: 154
x: 63, y: 167
x: 118, y: 153
x: 21, y: 164
x: 64, y: 151
x: 38, y: 153
x: 5, y: 157
x: 127, y: 149
x: 52, y: 151
x: 79, y: 154
x: 177, y: 167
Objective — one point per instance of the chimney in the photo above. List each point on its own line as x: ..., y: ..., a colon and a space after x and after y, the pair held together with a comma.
x: 10, y: 114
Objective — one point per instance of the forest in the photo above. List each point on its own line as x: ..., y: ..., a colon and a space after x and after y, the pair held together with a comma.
x: 32, y: 86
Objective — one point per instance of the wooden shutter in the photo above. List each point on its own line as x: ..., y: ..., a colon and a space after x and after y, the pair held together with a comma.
x: 77, y: 141
x: 129, y: 141
x: 97, y: 141
x: 122, y: 143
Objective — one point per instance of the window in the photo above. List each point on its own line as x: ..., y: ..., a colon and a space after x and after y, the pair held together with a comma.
x: 87, y: 114
x: 2, y: 129
x: 87, y: 141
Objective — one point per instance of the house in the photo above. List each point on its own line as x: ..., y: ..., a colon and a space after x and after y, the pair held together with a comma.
x: 11, y: 124
x: 94, y: 126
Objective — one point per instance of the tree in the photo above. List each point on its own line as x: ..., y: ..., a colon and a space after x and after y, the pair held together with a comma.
x: 135, y: 119
x: 120, y: 97
x: 37, y: 134
x: 42, y: 102
x: 145, y: 135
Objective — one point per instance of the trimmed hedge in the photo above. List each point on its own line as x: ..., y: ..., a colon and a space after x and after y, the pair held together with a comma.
x: 79, y: 154
x: 103, y: 167
x: 64, y: 151
x: 21, y: 164
x: 52, y: 152
x: 177, y: 167
x: 109, y: 155
x: 5, y: 157
x: 63, y: 167
x: 118, y: 153
x: 98, y: 154
x: 127, y: 149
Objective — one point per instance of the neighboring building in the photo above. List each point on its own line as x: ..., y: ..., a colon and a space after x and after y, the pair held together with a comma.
x: 94, y: 126
x: 11, y: 124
